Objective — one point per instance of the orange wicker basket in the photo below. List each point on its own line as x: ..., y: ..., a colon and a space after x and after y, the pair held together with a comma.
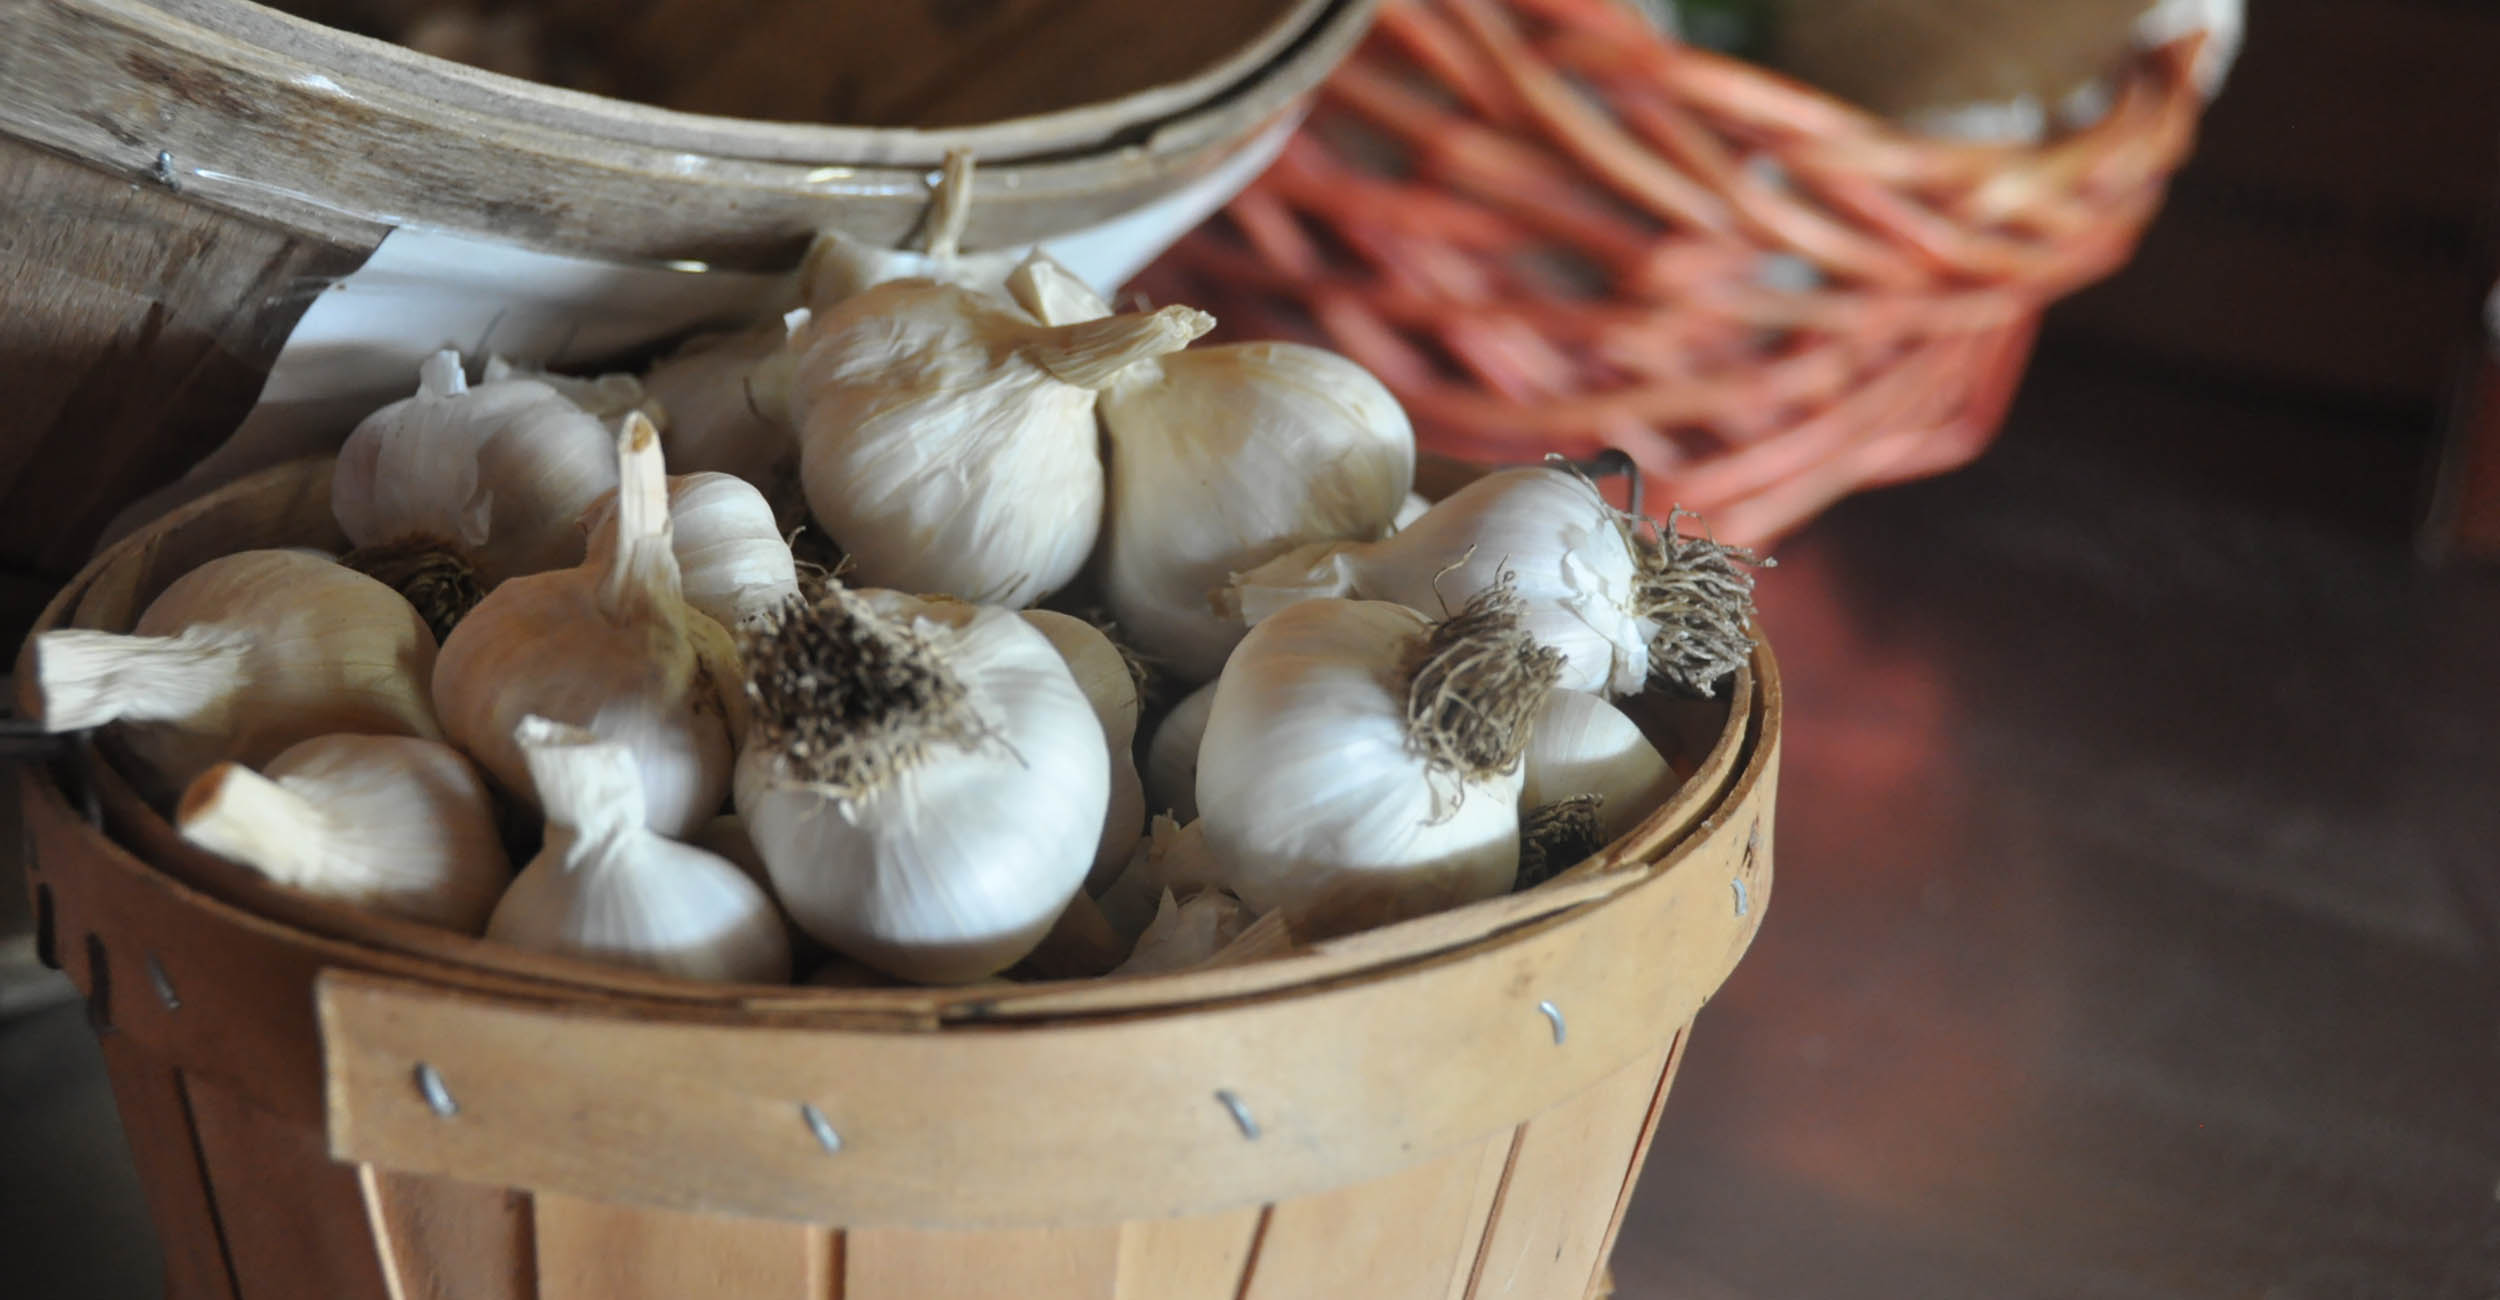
x: 1549, y: 228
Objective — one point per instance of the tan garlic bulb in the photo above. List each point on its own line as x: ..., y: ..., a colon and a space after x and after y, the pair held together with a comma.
x: 1172, y: 756
x: 611, y: 646
x: 947, y: 441
x: 725, y: 396
x: 391, y: 824
x: 606, y: 398
x: 731, y: 560
x: 1103, y: 673
x: 607, y: 889
x: 446, y: 493
x: 239, y: 659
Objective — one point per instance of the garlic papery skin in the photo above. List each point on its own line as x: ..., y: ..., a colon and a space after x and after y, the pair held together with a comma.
x: 605, y: 398
x: 1594, y: 588
x: 1173, y: 858
x: 727, y: 412
x: 1172, y: 756
x: 1186, y: 932
x: 948, y: 443
x: 1414, y: 508
x: 607, y: 889
x: 1223, y: 458
x: 731, y: 560
x: 1110, y: 686
x: 1580, y: 744
x: 1052, y: 293
x: 1361, y: 763
x: 610, y: 646
x: 497, y: 473
x: 239, y: 659
x: 924, y: 779
x: 390, y: 824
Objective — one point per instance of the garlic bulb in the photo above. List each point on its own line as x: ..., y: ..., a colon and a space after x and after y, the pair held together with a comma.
x: 610, y: 646
x: 1172, y: 756
x: 1362, y: 764
x: 947, y: 442
x: 393, y: 824
x: 1186, y: 932
x: 1622, y: 601
x: 731, y: 560
x: 491, y: 477
x: 1580, y: 744
x: 1103, y: 673
x: 607, y: 889
x: 1173, y: 858
x: 605, y: 398
x: 239, y: 659
x: 924, y: 779
x: 728, y: 411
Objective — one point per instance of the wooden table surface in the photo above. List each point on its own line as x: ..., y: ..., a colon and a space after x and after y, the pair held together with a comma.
x: 2139, y: 880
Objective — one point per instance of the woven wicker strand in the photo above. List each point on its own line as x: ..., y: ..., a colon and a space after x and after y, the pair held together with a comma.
x: 1547, y: 228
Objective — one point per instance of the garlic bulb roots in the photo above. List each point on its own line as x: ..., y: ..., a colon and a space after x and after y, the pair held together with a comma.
x: 392, y: 824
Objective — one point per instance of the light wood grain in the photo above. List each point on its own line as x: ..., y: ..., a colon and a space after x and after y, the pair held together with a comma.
x: 1198, y: 1258
x: 1640, y: 1157
x: 1566, y: 1177
x: 1407, y: 1236
x: 443, y: 1239
x: 293, y: 1219
x: 157, y: 1121
x: 908, y: 1264
x: 587, y: 1250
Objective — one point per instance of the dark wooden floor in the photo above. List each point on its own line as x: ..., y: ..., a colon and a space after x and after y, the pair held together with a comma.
x: 2139, y: 851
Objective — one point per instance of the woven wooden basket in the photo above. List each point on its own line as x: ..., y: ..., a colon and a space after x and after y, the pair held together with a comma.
x: 1549, y: 228
x: 327, y: 1103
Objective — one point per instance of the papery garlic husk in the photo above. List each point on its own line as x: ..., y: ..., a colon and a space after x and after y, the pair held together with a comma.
x: 607, y: 889
x: 1102, y: 672
x: 1361, y: 763
x: 948, y: 442
x: 606, y: 398
x: 925, y: 780
x: 1622, y: 600
x: 1413, y: 509
x: 240, y: 658
x: 1580, y: 744
x: 391, y: 824
x: 1187, y: 932
x: 726, y: 399
x: 1172, y: 858
x: 610, y: 646
x: 732, y: 562
x: 1172, y: 756
x: 492, y: 476
x: 1052, y: 293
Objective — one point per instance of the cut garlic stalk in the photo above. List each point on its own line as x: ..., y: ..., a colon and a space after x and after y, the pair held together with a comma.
x: 1362, y: 764
x: 605, y: 888
x: 1622, y: 601
x: 1582, y: 745
x: 241, y: 658
x: 392, y: 824
x: 731, y: 560
x: 838, y: 266
x: 948, y: 443
x: 611, y: 646
x: 924, y: 779
x: 1172, y: 756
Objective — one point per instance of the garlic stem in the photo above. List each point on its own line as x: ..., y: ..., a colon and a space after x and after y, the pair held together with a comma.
x: 1090, y: 353
x: 235, y: 812
x: 86, y: 678
x: 641, y: 579
x: 951, y: 209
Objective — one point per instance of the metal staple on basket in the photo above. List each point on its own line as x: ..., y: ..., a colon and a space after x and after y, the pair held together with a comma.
x: 1548, y: 228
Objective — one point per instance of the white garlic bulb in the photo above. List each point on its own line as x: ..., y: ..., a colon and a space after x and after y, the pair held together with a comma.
x: 1110, y: 686
x: 240, y: 658
x: 1621, y: 601
x: 607, y: 889
x: 1172, y: 756
x: 393, y: 824
x: 1362, y: 764
x: 495, y: 474
x: 610, y: 646
x: 726, y: 399
x: 924, y: 779
x: 948, y: 443
x: 1580, y: 744
x: 605, y: 398
x: 731, y: 560
x: 1186, y: 932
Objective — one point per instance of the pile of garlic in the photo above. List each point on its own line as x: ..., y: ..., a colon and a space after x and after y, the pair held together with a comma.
x: 1304, y: 703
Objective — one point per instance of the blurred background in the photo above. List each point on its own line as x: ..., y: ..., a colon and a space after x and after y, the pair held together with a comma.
x: 2139, y: 848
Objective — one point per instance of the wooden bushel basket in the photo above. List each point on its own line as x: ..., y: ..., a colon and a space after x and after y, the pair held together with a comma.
x: 329, y: 1104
